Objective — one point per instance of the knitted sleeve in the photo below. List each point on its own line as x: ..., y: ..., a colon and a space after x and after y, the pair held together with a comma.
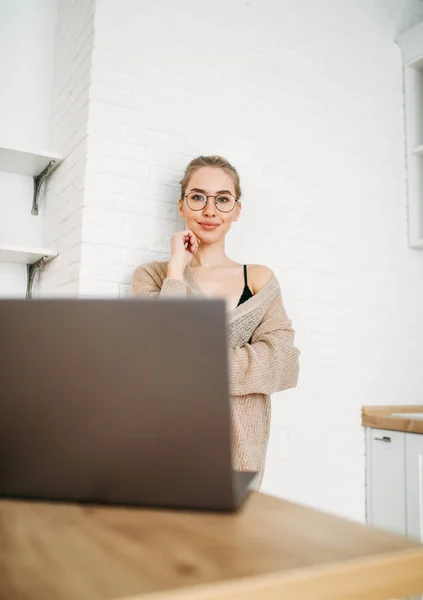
x: 270, y: 363
x: 146, y: 283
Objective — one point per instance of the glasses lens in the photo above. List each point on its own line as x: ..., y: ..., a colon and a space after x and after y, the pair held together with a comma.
x: 196, y: 201
x: 225, y: 202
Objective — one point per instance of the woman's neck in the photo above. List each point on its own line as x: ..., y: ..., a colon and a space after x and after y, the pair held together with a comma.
x: 209, y: 256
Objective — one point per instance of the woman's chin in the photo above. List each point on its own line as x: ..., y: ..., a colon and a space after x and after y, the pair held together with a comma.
x: 201, y: 233
x: 207, y: 237
x: 212, y: 235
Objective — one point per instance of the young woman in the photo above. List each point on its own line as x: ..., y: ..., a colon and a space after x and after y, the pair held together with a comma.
x: 262, y: 357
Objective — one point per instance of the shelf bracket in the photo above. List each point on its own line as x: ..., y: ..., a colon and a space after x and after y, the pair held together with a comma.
x: 38, y: 182
x: 32, y: 270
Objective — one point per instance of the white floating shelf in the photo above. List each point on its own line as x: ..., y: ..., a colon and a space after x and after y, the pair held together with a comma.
x: 418, y: 150
x: 23, y: 254
x: 26, y: 163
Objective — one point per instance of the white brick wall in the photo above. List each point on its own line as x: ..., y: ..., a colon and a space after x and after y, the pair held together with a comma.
x: 63, y: 214
x: 305, y: 98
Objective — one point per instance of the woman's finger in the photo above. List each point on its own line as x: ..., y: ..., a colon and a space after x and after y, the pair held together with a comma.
x: 186, y: 238
x: 191, y: 241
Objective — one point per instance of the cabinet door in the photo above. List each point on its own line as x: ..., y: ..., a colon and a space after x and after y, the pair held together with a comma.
x: 414, y: 466
x: 414, y: 476
x: 386, y: 500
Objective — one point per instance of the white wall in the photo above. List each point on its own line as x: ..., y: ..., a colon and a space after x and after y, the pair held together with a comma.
x: 27, y: 31
x: 13, y: 280
x: 17, y: 225
x: 305, y: 99
x: 17, y: 228
x: 70, y: 106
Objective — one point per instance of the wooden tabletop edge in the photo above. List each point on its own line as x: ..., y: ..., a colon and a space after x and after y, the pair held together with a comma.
x: 386, y: 409
x: 381, y: 576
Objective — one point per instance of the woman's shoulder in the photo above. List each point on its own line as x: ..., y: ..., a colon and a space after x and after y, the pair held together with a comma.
x: 154, y: 266
x: 258, y: 277
x: 149, y: 272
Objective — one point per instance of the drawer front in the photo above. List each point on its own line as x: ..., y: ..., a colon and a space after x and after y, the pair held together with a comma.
x: 386, y: 486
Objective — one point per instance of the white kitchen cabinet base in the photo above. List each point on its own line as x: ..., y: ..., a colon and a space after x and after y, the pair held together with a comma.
x: 385, y: 497
x: 394, y: 481
x: 414, y: 477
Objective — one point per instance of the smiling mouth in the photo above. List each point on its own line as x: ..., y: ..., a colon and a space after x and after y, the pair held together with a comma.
x: 208, y: 226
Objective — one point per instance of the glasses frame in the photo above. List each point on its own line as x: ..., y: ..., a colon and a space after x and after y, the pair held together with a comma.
x: 207, y: 201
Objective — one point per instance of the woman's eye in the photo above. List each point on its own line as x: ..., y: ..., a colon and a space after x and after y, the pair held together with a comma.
x: 198, y: 198
x: 223, y: 199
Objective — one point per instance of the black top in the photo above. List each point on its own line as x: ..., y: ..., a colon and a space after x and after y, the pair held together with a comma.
x: 246, y: 293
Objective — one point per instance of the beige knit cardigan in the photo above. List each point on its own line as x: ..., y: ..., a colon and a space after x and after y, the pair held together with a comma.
x: 262, y: 357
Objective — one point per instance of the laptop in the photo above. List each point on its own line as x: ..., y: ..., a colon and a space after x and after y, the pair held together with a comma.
x: 117, y: 402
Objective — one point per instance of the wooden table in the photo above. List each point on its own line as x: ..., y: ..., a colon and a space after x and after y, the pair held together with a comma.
x: 271, y: 549
x: 381, y: 417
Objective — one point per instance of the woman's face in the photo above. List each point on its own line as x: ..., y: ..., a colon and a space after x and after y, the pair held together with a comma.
x: 209, y: 224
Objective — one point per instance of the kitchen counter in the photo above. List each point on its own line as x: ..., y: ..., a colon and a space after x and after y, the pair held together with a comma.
x: 386, y: 417
x: 270, y: 549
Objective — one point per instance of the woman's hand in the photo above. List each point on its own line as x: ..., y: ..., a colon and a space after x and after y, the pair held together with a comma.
x: 184, y: 244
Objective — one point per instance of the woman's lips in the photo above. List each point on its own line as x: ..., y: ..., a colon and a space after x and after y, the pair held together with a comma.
x: 208, y: 226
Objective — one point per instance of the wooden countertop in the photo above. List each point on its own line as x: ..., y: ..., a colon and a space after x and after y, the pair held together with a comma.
x: 268, y: 550
x: 380, y: 417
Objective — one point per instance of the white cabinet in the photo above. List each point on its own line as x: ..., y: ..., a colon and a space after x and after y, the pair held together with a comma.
x: 385, y: 480
x: 394, y: 481
x: 411, y: 44
x: 414, y: 485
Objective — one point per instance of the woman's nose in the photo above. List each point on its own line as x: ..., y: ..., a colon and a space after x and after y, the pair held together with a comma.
x: 210, y: 208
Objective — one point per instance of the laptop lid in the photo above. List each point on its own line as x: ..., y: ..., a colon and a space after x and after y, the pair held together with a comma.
x: 116, y: 401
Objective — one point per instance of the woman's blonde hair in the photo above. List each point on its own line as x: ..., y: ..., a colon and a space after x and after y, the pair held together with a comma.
x: 211, y: 161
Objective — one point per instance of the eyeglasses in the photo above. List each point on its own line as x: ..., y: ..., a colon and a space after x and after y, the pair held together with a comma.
x: 224, y: 202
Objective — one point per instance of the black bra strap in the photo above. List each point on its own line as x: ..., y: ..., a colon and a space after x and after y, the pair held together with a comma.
x: 245, y: 276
